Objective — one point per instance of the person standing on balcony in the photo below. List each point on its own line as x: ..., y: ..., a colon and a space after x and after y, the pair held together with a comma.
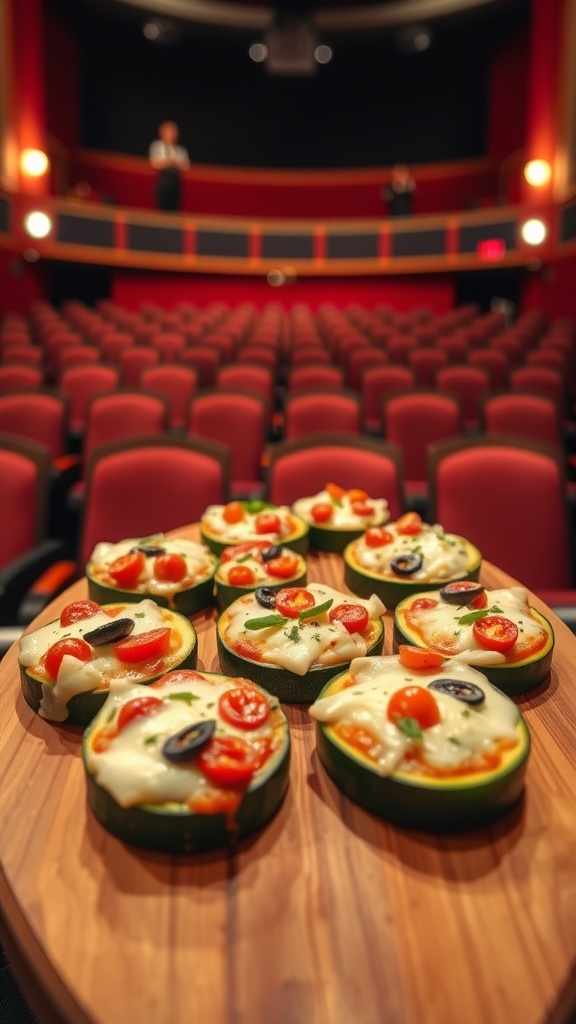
x: 169, y: 159
x: 398, y: 192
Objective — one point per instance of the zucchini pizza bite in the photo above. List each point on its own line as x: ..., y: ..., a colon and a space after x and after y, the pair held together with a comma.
x: 406, y: 557
x: 496, y: 630
x: 293, y: 640
x: 195, y: 761
x: 245, y: 567
x: 222, y: 526
x: 421, y: 741
x: 67, y: 666
x: 336, y: 516
x: 176, y: 573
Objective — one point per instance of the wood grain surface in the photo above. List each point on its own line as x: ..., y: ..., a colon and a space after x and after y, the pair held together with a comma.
x: 328, y: 916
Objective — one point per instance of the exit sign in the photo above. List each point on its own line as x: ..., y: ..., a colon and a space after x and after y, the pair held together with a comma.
x: 491, y: 249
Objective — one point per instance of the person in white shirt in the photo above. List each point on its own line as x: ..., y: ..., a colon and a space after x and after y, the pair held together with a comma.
x: 169, y: 159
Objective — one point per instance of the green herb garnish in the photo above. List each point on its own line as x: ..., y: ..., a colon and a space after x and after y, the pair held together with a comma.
x: 265, y: 621
x: 316, y: 610
x: 410, y: 727
x: 244, y: 558
x: 188, y: 698
x: 150, y: 741
x: 467, y: 620
x: 139, y: 615
x: 293, y: 634
x: 455, y: 741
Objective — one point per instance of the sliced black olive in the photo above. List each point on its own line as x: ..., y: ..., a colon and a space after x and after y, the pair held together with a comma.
x: 109, y: 632
x: 469, y: 693
x: 148, y: 549
x: 461, y: 592
x: 266, y: 596
x: 272, y: 552
x: 182, y: 745
x: 406, y: 565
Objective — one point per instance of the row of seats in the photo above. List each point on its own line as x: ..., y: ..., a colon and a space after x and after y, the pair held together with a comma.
x: 499, y: 492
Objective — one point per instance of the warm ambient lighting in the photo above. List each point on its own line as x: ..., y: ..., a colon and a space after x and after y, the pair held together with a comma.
x: 323, y: 54
x: 34, y: 162
x: 258, y: 52
x: 534, y: 232
x: 537, y: 172
x: 37, y: 224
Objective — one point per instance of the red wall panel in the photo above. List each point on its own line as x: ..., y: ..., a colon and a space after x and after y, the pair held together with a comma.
x: 130, y: 289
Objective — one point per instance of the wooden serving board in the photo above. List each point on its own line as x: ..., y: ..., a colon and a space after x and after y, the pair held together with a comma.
x: 328, y: 916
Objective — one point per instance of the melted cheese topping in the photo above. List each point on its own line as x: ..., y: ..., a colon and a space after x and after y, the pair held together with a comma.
x: 463, y: 734
x: 234, y: 533
x: 444, y: 556
x: 75, y: 676
x: 259, y: 567
x: 440, y: 630
x: 299, y: 646
x: 200, y: 564
x: 133, y: 769
x: 343, y: 517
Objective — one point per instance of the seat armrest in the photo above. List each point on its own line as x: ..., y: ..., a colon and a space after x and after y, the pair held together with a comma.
x: 17, y: 578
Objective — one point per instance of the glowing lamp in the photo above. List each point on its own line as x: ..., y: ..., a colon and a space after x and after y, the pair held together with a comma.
x: 37, y: 224
x: 34, y: 163
x: 534, y: 231
x: 537, y: 172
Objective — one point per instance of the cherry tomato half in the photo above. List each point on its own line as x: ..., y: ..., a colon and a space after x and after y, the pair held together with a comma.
x: 267, y: 522
x: 335, y: 491
x: 377, y: 537
x: 244, y: 707
x: 414, y: 702
x: 233, y: 512
x: 241, y: 576
x: 137, y: 708
x: 321, y: 512
x: 283, y: 567
x: 248, y: 546
x: 126, y: 569
x: 495, y: 633
x: 227, y: 761
x: 356, y: 494
x: 417, y: 658
x: 170, y: 568
x: 144, y: 646
x: 422, y: 604
x: 354, y: 617
x: 77, y: 611
x: 73, y: 646
x: 409, y: 524
x: 362, y: 508
x: 293, y: 600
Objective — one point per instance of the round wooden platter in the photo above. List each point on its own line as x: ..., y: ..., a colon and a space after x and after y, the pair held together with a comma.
x: 328, y: 916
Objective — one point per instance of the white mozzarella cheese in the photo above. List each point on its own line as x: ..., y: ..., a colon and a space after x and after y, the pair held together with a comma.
x: 199, y: 563
x: 439, y: 626
x: 443, y: 556
x: 297, y: 646
x: 133, y: 769
x: 235, y: 533
x: 343, y: 517
x: 462, y: 732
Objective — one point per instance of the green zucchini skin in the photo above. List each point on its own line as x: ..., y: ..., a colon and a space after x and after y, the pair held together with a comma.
x: 187, y: 602
x: 82, y: 707
x: 297, y: 541
x: 426, y: 807
x: 226, y: 594
x: 324, y: 539
x: 286, y: 685
x: 392, y: 591
x: 420, y: 807
x: 173, y: 829
x: 514, y: 679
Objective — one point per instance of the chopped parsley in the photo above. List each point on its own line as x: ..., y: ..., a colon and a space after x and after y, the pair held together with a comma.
x: 188, y: 698
x: 150, y: 741
x: 293, y: 634
x: 455, y: 741
x: 465, y: 713
x: 410, y: 728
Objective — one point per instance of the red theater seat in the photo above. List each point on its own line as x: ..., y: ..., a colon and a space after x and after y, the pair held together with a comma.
x: 316, y: 413
x: 176, y: 384
x: 239, y: 421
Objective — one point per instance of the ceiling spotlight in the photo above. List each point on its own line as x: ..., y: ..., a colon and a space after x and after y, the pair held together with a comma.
x: 258, y: 52
x: 37, y: 224
x: 534, y: 231
x: 152, y: 30
x: 413, y: 39
x: 323, y: 54
x: 422, y: 41
x: 34, y: 162
x: 537, y: 172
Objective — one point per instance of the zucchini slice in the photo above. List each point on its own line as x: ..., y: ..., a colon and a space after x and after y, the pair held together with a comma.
x: 173, y: 827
